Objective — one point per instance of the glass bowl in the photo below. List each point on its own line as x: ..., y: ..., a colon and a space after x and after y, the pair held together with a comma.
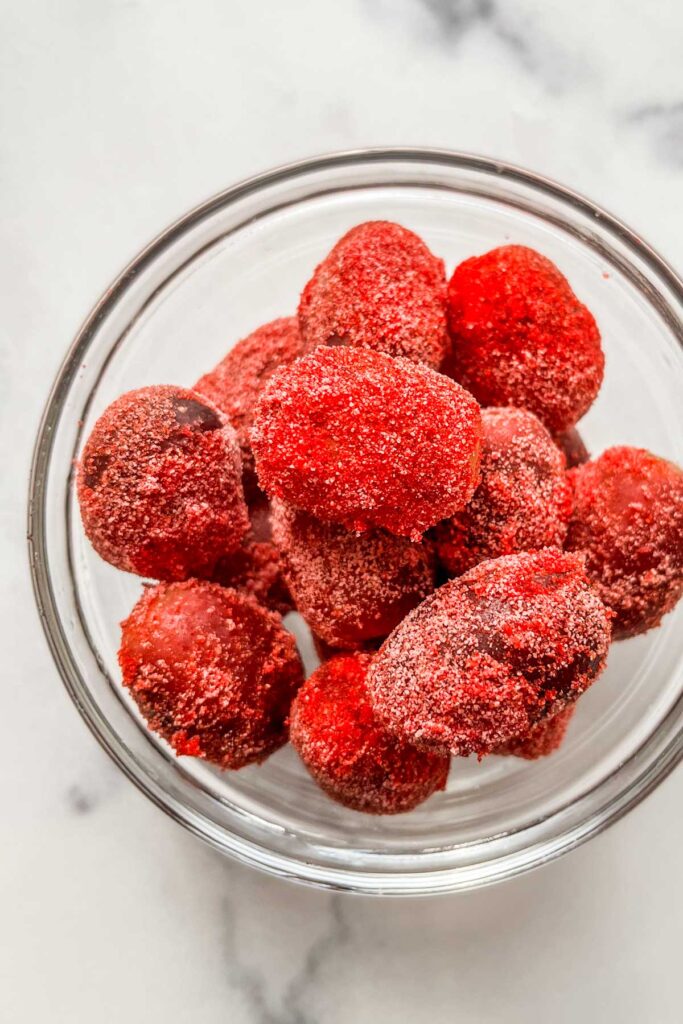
x: 239, y: 260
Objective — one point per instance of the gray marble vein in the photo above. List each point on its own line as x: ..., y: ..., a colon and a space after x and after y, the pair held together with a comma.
x: 292, y: 1004
x: 663, y: 125
x: 326, y: 949
x: 80, y: 800
x: 454, y: 17
x: 518, y: 29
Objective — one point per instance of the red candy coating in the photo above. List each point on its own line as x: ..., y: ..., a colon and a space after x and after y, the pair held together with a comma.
x: 544, y: 738
x: 350, y: 587
x: 361, y: 439
x: 256, y: 567
x: 522, y: 502
x: 159, y: 484
x: 572, y: 445
x: 488, y: 654
x: 236, y: 382
x: 380, y: 288
x: 521, y: 337
x: 211, y: 671
x: 628, y: 520
x: 349, y: 752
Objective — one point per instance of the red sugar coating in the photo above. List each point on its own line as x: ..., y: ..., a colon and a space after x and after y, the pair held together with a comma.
x: 350, y: 587
x: 628, y: 520
x: 488, y: 654
x: 348, y: 751
x: 256, y: 567
x: 379, y: 288
x: 159, y: 484
x: 521, y: 337
x: 522, y: 502
x: 544, y: 738
x: 211, y: 671
x: 359, y: 438
x: 572, y: 445
x: 236, y: 382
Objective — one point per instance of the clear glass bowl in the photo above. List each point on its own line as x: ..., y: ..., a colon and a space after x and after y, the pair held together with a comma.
x: 241, y: 259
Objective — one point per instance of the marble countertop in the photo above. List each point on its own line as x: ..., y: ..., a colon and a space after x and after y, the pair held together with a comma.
x: 116, y: 117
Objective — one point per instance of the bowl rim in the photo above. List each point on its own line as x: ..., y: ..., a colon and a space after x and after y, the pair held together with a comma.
x: 448, y: 879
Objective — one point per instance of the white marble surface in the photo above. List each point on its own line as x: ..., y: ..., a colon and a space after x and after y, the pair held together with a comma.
x: 116, y: 117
